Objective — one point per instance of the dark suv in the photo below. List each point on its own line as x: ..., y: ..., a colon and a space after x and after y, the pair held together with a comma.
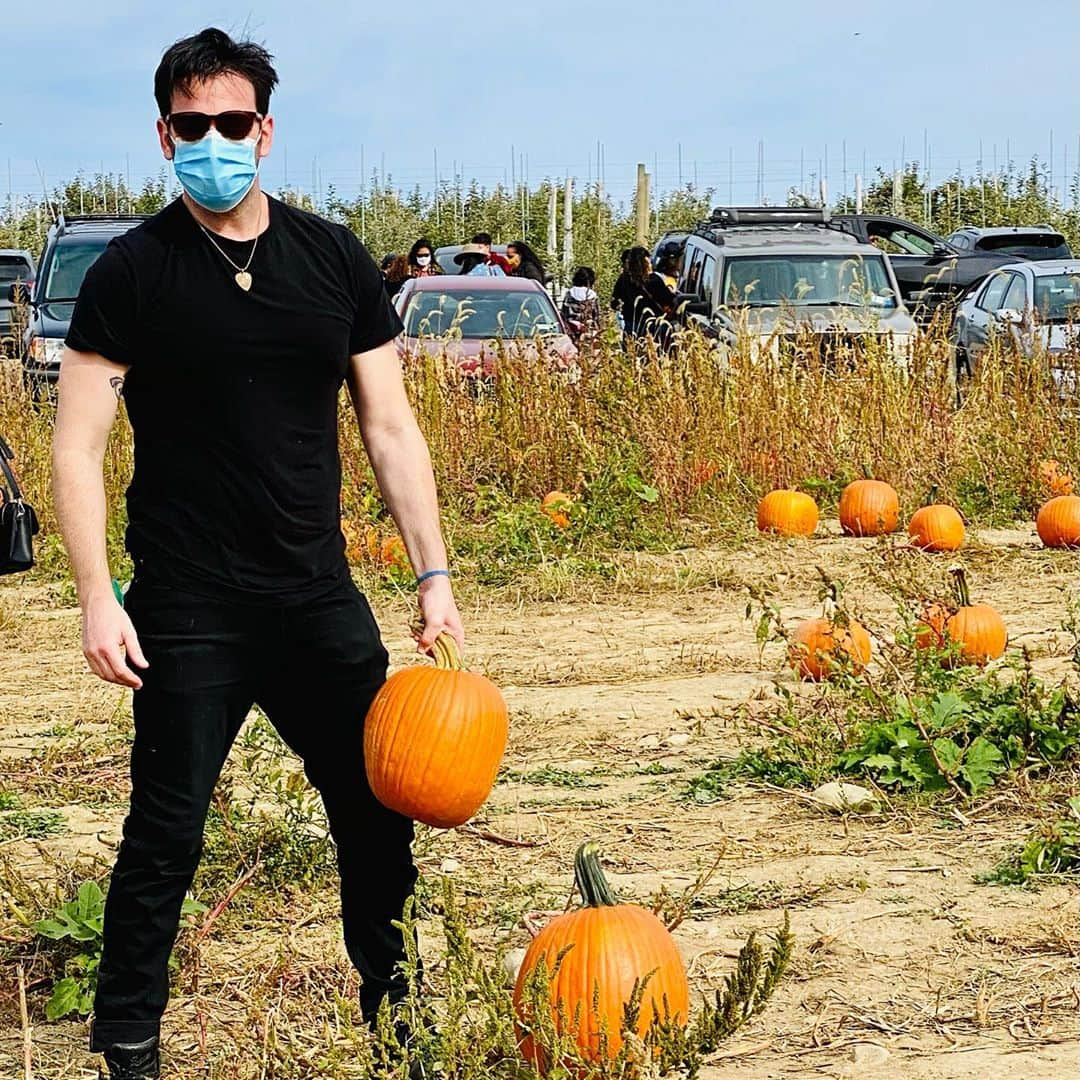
x: 16, y: 267
x: 930, y: 270
x: 1019, y: 241
x: 72, y: 246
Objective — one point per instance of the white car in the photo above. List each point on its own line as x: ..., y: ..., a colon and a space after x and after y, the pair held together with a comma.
x: 1033, y: 307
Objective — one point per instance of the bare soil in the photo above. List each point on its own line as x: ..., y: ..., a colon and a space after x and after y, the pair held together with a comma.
x: 905, y: 966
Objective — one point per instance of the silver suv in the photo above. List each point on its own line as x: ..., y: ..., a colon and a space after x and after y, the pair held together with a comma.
x: 789, y: 278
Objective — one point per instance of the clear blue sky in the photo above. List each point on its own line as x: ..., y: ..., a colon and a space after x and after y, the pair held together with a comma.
x: 403, y: 80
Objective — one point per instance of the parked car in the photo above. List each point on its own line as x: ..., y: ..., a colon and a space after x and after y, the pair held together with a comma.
x: 1017, y: 241
x: 930, y: 270
x: 16, y: 269
x: 786, y: 275
x: 444, y: 256
x: 1033, y: 307
x: 472, y: 318
x: 71, y: 247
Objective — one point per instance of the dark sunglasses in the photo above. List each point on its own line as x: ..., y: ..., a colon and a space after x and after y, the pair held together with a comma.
x: 192, y: 126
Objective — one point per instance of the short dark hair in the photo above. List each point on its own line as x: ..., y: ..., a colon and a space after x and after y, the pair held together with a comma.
x: 482, y: 238
x: 583, y: 277
x: 208, y: 54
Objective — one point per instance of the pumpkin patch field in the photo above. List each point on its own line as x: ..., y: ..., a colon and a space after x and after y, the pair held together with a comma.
x: 817, y: 782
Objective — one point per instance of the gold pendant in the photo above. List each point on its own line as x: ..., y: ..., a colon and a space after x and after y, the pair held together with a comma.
x: 243, y: 279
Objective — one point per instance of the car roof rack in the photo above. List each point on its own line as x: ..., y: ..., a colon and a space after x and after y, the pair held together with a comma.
x: 727, y: 216
x: 65, y: 221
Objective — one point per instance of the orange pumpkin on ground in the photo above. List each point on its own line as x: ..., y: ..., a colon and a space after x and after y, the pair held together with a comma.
x: 936, y: 528
x: 1058, y: 523
x: 434, y: 738
x: 557, y: 505
x: 977, y: 629
x: 789, y: 513
x: 817, y: 643
x: 869, y: 508
x: 609, y: 947
x: 1054, y: 478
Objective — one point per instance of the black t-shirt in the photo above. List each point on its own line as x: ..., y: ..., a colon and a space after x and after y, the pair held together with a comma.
x: 233, y: 395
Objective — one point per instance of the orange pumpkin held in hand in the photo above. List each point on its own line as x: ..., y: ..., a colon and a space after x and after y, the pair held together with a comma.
x: 936, y: 528
x: 557, y: 506
x: 434, y: 738
x: 789, y: 513
x: 869, y: 508
x: 594, y: 958
x: 1058, y: 523
x: 977, y: 629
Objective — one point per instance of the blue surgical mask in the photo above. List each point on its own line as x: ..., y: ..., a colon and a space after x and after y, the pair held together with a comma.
x: 216, y: 172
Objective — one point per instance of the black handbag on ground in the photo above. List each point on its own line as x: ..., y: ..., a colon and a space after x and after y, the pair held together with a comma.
x: 18, y: 522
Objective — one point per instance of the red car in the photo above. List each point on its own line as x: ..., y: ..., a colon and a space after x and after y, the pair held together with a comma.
x: 472, y: 318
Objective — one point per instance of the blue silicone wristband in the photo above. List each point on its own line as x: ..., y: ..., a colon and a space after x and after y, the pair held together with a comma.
x: 430, y: 574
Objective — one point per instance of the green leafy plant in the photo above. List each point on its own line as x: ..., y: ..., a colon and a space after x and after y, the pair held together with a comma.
x: 966, y: 736
x: 77, y: 925
x: 1052, y: 850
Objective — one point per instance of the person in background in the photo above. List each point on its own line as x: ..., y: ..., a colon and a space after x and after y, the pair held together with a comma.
x: 493, y: 257
x: 524, y: 262
x: 473, y: 260
x: 581, y: 305
x: 422, y: 260
x: 620, y: 293
x: 646, y: 302
x: 397, y: 273
x: 669, y: 264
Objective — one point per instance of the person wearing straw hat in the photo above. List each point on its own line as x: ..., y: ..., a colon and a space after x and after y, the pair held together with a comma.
x: 473, y: 260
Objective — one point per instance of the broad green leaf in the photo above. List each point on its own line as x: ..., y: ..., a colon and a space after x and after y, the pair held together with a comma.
x: 949, y: 754
x: 51, y: 929
x: 64, y: 1000
x: 982, y: 762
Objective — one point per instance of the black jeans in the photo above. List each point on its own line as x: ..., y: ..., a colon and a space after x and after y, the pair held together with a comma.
x: 314, y: 669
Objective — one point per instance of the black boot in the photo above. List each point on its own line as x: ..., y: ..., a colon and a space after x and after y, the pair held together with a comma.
x: 133, y: 1061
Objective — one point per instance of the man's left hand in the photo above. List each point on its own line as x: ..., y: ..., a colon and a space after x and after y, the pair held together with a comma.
x: 440, y: 614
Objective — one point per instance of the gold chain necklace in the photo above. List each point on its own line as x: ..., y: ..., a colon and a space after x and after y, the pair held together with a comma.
x: 241, y: 277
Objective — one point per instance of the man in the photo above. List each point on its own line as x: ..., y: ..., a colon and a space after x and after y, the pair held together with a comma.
x: 493, y: 257
x: 228, y: 322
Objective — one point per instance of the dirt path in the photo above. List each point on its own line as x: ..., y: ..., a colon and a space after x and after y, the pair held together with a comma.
x: 905, y: 966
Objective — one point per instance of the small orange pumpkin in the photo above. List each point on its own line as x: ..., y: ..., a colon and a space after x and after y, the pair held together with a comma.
x: 1058, y: 523
x: 1054, y: 479
x: 977, y: 629
x: 930, y: 630
x: 607, y: 948
x: 869, y: 508
x: 434, y: 738
x: 936, y: 528
x: 557, y: 506
x: 789, y: 513
x: 816, y: 642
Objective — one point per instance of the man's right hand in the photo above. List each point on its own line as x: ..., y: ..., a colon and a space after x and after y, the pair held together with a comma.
x: 110, y: 641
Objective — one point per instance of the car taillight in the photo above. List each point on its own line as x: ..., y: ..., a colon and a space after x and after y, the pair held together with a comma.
x: 37, y: 350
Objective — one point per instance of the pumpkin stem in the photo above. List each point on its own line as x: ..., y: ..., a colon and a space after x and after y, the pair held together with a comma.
x: 591, y: 883
x: 446, y: 653
x: 963, y: 596
x: 866, y: 471
x: 932, y: 500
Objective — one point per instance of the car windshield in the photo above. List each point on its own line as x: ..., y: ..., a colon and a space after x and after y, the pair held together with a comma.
x: 808, y: 281
x: 1034, y: 246
x: 70, y: 261
x: 1057, y: 298
x: 14, y: 269
x: 480, y: 314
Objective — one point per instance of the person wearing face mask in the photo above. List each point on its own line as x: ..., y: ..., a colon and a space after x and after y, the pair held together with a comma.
x: 229, y: 322
x: 421, y: 262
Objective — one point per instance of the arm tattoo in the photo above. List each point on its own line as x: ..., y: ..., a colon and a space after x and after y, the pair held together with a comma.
x: 117, y: 383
